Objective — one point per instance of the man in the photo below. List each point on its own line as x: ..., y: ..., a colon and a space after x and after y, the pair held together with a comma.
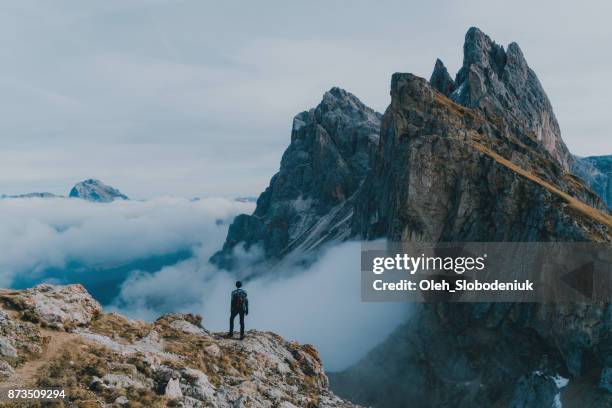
x: 239, y: 306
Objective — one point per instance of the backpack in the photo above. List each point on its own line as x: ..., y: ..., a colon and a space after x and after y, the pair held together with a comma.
x: 239, y: 300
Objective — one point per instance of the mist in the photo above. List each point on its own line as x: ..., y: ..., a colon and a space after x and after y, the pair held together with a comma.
x: 146, y: 258
x: 66, y: 240
x: 320, y: 305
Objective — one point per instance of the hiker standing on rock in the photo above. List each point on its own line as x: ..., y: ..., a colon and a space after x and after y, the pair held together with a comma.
x: 239, y: 306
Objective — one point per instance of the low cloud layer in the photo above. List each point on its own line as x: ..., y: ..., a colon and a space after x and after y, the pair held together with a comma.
x: 145, y: 258
x: 56, y: 239
x: 320, y: 305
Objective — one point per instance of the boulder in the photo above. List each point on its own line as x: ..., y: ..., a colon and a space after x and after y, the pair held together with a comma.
x: 61, y: 307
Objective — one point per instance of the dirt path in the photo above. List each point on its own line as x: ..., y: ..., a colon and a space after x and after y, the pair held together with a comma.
x: 24, y: 374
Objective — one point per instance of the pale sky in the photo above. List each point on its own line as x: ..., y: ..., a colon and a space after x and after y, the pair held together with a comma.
x: 196, y: 98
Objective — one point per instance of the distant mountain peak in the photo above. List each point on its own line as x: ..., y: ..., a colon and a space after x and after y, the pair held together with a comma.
x: 96, y: 191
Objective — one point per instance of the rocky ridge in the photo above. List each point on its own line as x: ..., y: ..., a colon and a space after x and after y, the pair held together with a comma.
x: 58, y: 336
x: 308, y: 202
x: 478, y: 158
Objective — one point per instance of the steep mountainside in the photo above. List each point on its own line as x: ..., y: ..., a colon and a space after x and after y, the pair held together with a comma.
x: 478, y: 158
x: 95, y: 190
x: 308, y: 200
x: 441, y: 175
x: 596, y: 171
x: 488, y: 180
x: 58, y: 336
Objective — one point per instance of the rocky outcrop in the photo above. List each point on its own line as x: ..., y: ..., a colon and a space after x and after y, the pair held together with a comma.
x: 111, y: 361
x: 61, y: 307
x: 441, y: 79
x: 96, y: 191
x: 306, y: 202
x: 596, y: 171
x: 500, y: 82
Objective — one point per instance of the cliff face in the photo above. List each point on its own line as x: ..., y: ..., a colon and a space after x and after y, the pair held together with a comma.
x: 478, y: 158
x: 58, y: 336
x: 444, y: 172
x: 308, y: 200
x: 596, y: 171
x: 471, y: 171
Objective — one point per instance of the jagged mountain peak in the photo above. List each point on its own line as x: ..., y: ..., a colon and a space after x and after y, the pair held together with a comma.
x: 480, y: 49
x: 337, y: 106
x: 95, y: 190
x: 441, y: 79
x: 324, y: 165
x: 500, y: 83
x: 339, y: 98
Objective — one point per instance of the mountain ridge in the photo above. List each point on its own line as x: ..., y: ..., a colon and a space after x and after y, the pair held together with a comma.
x: 476, y: 163
x: 59, y: 336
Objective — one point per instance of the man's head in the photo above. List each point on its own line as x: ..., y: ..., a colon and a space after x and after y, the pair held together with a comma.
x: 238, y: 284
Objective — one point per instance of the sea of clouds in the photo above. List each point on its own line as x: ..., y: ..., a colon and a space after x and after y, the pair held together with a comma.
x: 145, y: 258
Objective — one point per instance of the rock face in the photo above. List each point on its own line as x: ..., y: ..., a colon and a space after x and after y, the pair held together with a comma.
x: 108, y: 359
x: 490, y: 181
x: 323, y: 167
x: 596, y: 171
x: 95, y: 190
x: 445, y: 172
x: 441, y: 79
x: 485, y: 163
x: 500, y: 81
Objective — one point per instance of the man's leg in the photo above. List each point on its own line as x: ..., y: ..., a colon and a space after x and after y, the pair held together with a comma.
x: 232, y: 317
x: 241, y: 325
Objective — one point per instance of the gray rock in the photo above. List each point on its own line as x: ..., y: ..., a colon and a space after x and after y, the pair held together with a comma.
x: 596, y: 171
x: 196, y: 385
x: 122, y: 381
x: 95, y: 190
x: 173, y: 389
x: 441, y: 79
x: 6, y: 348
x: 122, y: 400
x: 57, y: 306
x: 501, y: 83
x: 326, y: 162
x: 6, y: 370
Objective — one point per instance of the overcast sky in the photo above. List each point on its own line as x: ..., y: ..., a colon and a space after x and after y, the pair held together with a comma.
x: 195, y: 98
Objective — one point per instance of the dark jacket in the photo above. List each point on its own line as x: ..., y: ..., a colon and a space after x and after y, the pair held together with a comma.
x: 236, y: 304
